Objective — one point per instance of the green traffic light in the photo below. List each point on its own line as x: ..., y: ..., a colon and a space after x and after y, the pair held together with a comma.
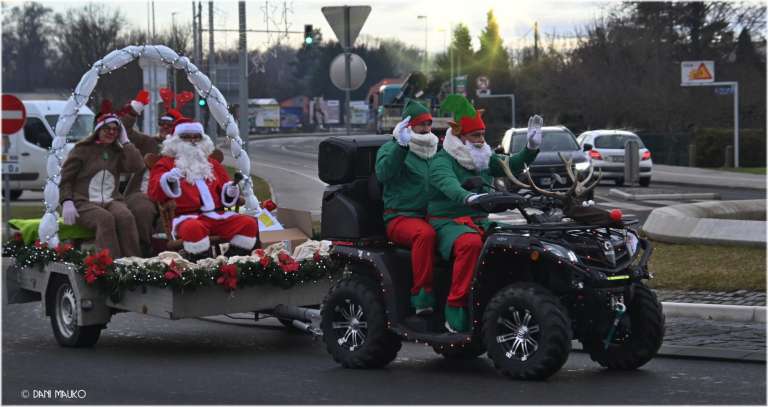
x: 201, y: 102
x: 308, y: 40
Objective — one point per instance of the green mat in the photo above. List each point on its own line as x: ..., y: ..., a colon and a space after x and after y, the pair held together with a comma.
x: 28, y: 229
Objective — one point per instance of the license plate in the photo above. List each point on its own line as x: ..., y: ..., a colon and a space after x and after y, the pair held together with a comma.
x: 618, y: 158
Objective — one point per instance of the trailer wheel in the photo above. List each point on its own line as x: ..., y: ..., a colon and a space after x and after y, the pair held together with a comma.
x: 354, y: 324
x: 65, y: 309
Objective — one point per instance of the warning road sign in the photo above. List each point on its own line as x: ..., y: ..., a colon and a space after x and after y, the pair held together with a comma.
x: 14, y: 114
x: 693, y: 72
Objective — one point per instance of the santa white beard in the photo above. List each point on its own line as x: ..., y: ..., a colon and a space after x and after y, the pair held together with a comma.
x: 191, y: 159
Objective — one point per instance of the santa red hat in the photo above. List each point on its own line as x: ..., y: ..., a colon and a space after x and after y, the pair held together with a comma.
x: 136, y: 106
x: 186, y: 125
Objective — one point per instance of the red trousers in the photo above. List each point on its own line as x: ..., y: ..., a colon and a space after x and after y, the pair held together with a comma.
x: 419, y: 235
x: 242, y: 228
x: 466, y: 252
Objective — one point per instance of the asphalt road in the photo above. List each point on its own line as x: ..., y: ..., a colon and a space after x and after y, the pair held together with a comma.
x: 146, y: 360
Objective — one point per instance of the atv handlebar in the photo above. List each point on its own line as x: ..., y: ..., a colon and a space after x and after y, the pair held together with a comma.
x: 494, y: 202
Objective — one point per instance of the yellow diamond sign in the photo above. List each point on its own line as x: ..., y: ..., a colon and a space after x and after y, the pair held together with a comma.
x: 693, y: 72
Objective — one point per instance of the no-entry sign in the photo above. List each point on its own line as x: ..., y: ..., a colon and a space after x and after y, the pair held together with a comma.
x: 14, y: 114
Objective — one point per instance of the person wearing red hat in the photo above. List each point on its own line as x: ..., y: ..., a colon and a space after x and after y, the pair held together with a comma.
x: 402, y: 166
x: 144, y: 209
x: 89, y: 183
x: 200, y: 187
x: 460, y: 228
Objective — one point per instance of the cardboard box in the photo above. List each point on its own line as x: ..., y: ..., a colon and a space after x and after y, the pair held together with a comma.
x: 298, y: 229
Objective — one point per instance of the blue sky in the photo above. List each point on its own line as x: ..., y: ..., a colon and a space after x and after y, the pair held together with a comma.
x: 388, y: 19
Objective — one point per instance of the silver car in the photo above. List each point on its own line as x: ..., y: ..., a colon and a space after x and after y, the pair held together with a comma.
x: 607, y: 153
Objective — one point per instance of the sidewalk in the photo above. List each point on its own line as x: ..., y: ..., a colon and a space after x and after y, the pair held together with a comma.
x: 706, y: 177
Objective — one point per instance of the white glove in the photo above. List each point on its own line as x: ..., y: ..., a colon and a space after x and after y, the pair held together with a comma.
x: 169, y: 183
x: 123, y: 136
x: 535, y: 123
x: 69, y: 213
x: 402, y: 132
x: 176, y: 173
x: 471, y: 198
x: 231, y: 189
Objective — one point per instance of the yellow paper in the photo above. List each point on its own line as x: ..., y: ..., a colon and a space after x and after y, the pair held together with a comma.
x: 265, y: 219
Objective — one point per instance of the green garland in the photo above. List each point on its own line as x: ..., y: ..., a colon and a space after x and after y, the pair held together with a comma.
x: 115, y: 278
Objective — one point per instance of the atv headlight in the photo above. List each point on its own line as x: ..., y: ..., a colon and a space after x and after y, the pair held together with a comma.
x: 632, y: 242
x: 582, y: 166
x: 561, y: 252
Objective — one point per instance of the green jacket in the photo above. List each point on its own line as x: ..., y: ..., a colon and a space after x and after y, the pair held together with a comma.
x: 405, y: 177
x: 447, y: 197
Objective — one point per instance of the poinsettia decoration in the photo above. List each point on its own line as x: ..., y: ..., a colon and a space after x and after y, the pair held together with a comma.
x: 173, y: 272
x: 97, y: 265
x: 228, y: 277
x: 287, y: 263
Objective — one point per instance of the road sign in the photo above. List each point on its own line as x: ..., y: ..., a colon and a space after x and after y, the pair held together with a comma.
x: 336, y: 19
x: 693, y: 72
x: 357, y: 70
x: 11, y: 164
x: 724, y: 90
x: 14, y: 114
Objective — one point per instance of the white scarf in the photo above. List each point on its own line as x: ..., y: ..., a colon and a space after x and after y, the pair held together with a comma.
x: 423, y: 145
x: 468, y: 156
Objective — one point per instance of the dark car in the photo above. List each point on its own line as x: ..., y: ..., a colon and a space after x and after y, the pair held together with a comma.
x: 548, y: 170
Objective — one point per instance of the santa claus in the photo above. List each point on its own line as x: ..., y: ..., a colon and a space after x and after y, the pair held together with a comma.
x: 201, y: 188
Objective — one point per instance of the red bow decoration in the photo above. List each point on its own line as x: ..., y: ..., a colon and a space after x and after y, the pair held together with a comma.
x: 173, y: 271
x: 97, y: 265
x: 228, y: 277
x: 616, y: 215
x: 269, y: 205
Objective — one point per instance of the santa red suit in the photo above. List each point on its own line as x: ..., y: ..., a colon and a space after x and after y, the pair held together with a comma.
x: 201, y: 189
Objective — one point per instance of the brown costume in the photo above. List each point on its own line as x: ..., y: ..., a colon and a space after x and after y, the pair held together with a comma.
x: 90, y: 178
x: 144, y: 210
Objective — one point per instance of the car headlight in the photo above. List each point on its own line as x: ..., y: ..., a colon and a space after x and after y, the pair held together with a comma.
x: 583, y: 166
x: 561, y: 252
x: 632, y: 242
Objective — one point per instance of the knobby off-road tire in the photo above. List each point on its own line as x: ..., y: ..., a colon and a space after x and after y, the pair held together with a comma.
x: 65, y: 307
x: 354, y: 324
x: 526, y: 332
x: 469, y: 351
x: 645, y: 337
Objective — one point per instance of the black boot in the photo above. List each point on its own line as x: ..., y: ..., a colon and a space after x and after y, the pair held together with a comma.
x: 194, y: 257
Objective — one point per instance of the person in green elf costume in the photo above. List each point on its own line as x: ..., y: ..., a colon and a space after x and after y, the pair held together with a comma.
x: 460, y: 228
x: 402, y: 166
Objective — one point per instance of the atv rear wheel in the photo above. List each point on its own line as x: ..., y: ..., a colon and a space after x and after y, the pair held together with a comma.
x: 636, y: 343
x: 354, y: 325
x: 526, y: 332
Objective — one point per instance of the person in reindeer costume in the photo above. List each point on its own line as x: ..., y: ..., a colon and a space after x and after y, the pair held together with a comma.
x: 89, y: 185
x: 402, y: 166
x: 201, y: 188
x: 144, y: 209
x: 460, y: 228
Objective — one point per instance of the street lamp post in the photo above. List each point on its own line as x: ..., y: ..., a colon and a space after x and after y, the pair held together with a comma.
x: 173, y: 31
x: 426, y: 43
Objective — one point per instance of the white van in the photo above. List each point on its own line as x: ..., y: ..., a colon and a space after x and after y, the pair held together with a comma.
x: 31, y: 143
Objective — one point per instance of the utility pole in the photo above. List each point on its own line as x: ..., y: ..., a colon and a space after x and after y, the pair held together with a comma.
x: 536, y: 41
x: 195, y: 47
x: 243, y: 111
x: 426, y: 57
x: 211, y: 74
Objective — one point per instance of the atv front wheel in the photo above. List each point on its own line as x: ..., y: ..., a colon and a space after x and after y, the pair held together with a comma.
x: 635, y: 343
x: 354, y: 325
x: 526, y: 332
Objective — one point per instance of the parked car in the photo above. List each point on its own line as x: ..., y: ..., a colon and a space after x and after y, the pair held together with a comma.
x: 31, y: 143
x: 607, y: 153
x: 548, y: 170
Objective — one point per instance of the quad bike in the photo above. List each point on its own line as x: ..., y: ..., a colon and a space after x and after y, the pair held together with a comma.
x: 570, y: 272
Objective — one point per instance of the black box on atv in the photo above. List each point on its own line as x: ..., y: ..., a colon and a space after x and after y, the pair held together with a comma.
x: 343, y: 160
x: 353, y: 211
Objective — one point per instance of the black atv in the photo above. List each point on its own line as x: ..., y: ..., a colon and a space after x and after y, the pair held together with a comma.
x: 537, y: 286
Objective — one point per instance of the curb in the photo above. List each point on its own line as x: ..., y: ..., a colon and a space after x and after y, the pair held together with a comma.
x: 715, y: 312
x: 647, y: 197
x: 699, y: 352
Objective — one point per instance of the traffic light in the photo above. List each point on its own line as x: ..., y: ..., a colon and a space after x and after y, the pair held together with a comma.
x: 202, y: 102
x: 308, y: 37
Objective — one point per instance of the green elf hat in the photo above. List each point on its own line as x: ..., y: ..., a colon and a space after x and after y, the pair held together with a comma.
x: 418, y: 112
x: 466, y: 118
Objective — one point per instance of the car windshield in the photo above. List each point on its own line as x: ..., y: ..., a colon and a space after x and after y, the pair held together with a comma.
x: 552, y: 140
x: 81, y: 128
x: 617, y: 141
x: 389, y: 94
